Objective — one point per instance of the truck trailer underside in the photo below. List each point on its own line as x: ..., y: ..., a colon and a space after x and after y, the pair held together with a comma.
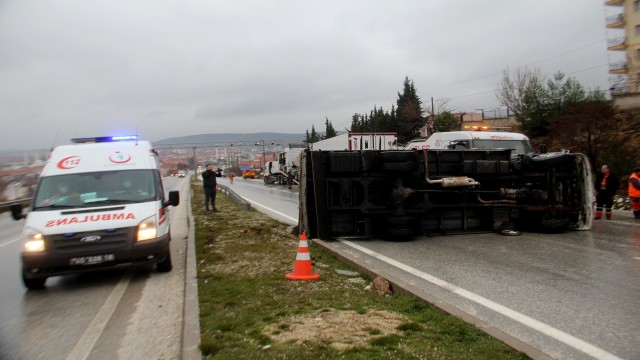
x: 401, y: 194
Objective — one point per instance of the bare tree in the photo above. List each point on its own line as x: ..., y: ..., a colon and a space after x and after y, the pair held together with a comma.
x: 519, y: 89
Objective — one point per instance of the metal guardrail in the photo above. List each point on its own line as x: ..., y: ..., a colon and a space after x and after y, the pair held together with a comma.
x: 6, y: 206
x: 235, y: 197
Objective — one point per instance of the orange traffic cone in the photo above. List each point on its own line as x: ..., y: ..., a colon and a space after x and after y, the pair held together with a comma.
x: 302, y: 267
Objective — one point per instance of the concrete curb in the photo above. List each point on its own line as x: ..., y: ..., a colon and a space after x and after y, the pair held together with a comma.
x: 191, y: 311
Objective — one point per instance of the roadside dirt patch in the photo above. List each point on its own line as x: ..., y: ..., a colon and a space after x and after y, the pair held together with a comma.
x: 343, y: 330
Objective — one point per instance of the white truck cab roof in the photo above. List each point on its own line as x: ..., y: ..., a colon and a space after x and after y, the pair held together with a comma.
x: 473, y: 140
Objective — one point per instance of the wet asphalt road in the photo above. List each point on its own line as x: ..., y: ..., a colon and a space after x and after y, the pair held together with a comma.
x: 570, y: 296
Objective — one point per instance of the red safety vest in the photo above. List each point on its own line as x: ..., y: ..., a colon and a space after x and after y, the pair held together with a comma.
x: 633, y: 192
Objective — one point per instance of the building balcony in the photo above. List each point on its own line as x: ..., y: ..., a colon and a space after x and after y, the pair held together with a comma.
x: 619, y: 67
x: 619, y: 43
x: 615, y: 21
x: 614, y: 2
x: 619, y: 89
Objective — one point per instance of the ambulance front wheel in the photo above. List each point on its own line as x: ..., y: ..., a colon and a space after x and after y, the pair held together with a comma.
x: 33, y: 284
x: 165, y: 265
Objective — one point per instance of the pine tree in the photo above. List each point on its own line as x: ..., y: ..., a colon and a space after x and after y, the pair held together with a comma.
x: 409, y: 112
x: 329, y: 131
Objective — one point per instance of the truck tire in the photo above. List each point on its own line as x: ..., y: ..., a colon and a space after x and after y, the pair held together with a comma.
x: 554, y: 225
x: 398, y: 221
x: 165, y: 265
x: 397, y: 156
x: 553, y: 158
x: 33, y: 284
x: 403, y: 167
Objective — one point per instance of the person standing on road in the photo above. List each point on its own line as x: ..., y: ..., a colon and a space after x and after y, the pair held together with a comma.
x: 606, y: 186
x: 634, y: 192
x: 209, y: 184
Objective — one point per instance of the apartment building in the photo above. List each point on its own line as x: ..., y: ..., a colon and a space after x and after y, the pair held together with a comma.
x: 623, y: 33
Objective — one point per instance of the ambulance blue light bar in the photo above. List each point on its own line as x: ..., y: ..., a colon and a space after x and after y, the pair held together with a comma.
x: 101, y: 139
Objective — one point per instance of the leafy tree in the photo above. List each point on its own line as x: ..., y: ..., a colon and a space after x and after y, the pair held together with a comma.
x: 538, y: 104
x: 409, y: 112
x: 446, y: 121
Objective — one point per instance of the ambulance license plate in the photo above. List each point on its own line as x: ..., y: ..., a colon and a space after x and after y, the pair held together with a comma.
x: 91, y: 260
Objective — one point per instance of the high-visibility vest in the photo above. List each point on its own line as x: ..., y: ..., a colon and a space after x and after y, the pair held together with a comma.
x: 633, y: 192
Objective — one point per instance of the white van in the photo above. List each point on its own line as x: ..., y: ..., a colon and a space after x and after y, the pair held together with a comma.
x: 99, y: 204
x: 519, y: 143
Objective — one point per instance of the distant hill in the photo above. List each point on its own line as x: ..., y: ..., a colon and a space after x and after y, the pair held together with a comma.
x: 267, y: 137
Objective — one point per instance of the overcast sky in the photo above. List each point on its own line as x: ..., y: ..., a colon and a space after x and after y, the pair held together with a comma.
x: 166, y: 68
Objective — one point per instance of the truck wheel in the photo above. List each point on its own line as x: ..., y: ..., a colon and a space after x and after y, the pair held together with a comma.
x: 397, y: 156
x: 406, y: 166
x: 554, y: 225
x: 165, y: 265
x: 398, y: 221
x: 33, y: 284
x: 553, y: 158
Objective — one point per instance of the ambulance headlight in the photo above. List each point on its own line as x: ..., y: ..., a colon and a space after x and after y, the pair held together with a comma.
x: 34, y: 241
x: 147, y: 229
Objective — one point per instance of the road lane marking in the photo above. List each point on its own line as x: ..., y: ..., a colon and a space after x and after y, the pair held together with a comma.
x: 636, y: 257
x: 10, y: 241
x: 87, y: 342
x: 295, y: 220
x: 532, y: 323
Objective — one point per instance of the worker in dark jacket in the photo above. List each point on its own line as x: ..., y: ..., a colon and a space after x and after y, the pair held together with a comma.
x: 209, y: 184
x: 634, y: 192
x: 606, y: 186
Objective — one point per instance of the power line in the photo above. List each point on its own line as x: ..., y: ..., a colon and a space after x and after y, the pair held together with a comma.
x: 487, y: 92
x: 533, y: 63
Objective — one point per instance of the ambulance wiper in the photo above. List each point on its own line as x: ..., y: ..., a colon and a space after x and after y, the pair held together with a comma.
x: 55, y: 206
x: 110, y: 201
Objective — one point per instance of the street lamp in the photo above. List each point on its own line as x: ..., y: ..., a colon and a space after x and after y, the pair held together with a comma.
x: 263, y: 156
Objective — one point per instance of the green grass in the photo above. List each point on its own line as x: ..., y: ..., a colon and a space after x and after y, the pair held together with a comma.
x: 242, y: 258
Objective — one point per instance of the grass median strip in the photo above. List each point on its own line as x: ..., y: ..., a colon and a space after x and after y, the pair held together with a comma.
x: 248, y: 310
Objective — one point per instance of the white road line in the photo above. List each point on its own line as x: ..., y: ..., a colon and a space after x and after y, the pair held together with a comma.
x: 85, y: 345
x: 636, y: 257
x: 274, y: 211
x: 539, y: 326
x: 10, y: 241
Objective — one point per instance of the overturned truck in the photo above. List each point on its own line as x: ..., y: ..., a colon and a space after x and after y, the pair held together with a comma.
x: 401, y: 194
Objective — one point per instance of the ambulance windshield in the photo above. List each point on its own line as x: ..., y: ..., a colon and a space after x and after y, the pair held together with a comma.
x: 96, y: 188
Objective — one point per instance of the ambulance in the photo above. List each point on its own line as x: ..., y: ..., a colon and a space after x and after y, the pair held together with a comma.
x: 99, y: 204
x: 473, y: 139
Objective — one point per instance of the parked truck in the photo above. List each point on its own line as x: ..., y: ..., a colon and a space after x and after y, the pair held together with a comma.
x: 400, y: 194
x: 358, y: 141
x: 518, y: 143
x: 285, y: 169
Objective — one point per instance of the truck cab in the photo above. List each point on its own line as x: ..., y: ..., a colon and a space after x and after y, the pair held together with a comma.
x: 467, y: 140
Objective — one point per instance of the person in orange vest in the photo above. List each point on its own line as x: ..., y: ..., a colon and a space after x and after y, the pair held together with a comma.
x: 634, y: 192
x: 606, y: 186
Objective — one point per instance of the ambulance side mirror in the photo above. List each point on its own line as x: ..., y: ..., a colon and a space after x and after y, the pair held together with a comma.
x: 16, y: 212
x: 174, y: 199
